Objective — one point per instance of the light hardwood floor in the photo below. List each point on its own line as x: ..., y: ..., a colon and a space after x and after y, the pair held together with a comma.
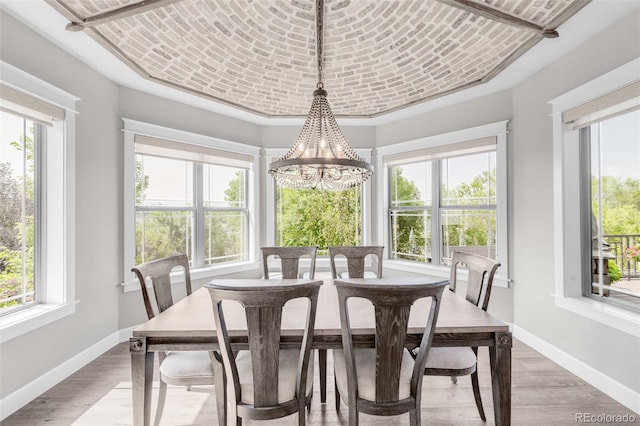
x: 543, y: 394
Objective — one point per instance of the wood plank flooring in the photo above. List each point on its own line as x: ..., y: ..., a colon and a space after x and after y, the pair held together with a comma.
x: 543, y: 394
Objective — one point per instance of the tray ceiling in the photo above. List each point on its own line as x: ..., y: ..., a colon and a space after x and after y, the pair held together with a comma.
x: 259, y: 56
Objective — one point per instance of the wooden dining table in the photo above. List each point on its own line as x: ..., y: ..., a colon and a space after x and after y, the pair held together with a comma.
x: 189, y: 325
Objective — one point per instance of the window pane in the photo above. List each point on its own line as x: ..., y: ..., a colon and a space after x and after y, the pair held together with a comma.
x: 225, y: 237
x: 473, y: 231
x: 224, y: 186
x: 411, y: 235
x: 163, y: 233
x: 411, y: 185
x: 17, y: 211
x: 163, y: 182
x: 469, y: 180
x: 615, y: 208
x: 311, y: 217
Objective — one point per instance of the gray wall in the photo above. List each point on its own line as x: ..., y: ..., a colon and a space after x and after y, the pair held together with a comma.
x: 471, y: 113
x: 614, y: 353
x: 98, y: 209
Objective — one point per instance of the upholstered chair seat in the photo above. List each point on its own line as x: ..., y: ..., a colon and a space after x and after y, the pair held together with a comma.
x: 288, y: 362
x: 366, y: 362
x: 187, y: 368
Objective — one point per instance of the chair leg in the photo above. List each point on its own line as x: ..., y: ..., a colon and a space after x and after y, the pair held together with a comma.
x: 301, y: 417
x: 337, y: 392
x: 353, y: 417
x: 414, y: 417
x: 162, y: 396
x: 322, y: 361
x: 476, y: 393
x: 454, y: 380
x: 220, y: 386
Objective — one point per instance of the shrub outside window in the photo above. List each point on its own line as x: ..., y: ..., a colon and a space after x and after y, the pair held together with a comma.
x: 312, y: 217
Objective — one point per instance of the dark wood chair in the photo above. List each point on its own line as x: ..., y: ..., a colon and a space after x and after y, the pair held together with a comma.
x: 462, y: 361
x: 266, y: 382
x: 176, y: 368
x: 289, y: 260
x: 290, y: 263
x: 356, y: 261
x: 355, y: 256
x: 385, y: 380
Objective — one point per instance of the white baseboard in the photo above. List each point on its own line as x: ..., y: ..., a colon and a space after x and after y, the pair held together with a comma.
x: 616, y: 390
x: 16, y: 400
x: 125, y: 334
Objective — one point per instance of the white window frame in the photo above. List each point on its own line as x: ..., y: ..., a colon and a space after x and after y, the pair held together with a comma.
x: 499, y: 130
x: 322, y: 262
x: 133, y: 127
x: 569, y: 269
x: 56, y: 288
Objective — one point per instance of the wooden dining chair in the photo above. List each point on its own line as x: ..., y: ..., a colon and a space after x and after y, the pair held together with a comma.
x: 289, y: 260
x: 266, y: 381
x: 385, y: 380
x: 462, y: 361
x: 176, y: 368
x: 356, y: 256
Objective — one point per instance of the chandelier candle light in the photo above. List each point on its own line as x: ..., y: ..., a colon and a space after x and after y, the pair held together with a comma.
x: 321, y: 156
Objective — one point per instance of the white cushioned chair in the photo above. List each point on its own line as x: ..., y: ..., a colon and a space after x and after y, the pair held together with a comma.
x: 176, y: 368
x: 463, y: 361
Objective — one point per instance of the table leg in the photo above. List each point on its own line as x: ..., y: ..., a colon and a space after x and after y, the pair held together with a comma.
x: 500, y: 359
x: 322, y: 361
x: 220, y: 383
x: 141, y: 380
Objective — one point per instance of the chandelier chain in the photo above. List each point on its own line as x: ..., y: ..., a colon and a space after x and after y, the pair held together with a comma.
x: 319, y: 34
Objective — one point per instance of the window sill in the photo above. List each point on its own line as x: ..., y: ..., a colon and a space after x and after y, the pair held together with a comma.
x: 200, y: 274
x: 604, y: 313
x: 436, y: 271
x: 29, y: 319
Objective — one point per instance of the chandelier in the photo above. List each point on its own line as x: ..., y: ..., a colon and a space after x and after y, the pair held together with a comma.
x: 321, y: 157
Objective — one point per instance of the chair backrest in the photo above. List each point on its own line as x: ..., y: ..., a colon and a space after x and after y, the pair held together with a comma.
x: 356, y: 259
x: 159, y: 271
x: 289, y: 260
x: 481, y: 272
x: 392, y: 303
x: 263, y: 310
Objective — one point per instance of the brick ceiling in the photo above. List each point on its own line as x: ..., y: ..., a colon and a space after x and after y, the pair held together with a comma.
x: 259, y: 55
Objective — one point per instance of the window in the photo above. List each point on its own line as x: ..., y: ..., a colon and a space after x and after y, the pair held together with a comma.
x: 462, y: 217
x: 36, y: 203
x: 167, y: 213
x: 596, y: 163
x: 189, y: 196
x: 447, y: 193
x: 613, y: 173
x: 312, y: 217
x: 19, y: 203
